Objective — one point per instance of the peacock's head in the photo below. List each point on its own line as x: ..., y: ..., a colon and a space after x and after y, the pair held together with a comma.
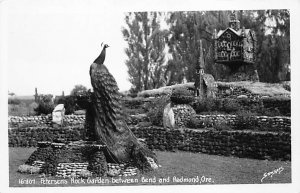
x: 104, y: 46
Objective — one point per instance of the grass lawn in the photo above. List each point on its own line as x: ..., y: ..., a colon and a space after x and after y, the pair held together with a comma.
x: 216, y: 169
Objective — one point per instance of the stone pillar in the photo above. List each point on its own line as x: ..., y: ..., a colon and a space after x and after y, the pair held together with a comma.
x: 168, y: 117
x: 36, y: 95
x: 58, y: 114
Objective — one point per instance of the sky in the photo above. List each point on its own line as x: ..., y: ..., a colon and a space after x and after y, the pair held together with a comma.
x: 50, y: 44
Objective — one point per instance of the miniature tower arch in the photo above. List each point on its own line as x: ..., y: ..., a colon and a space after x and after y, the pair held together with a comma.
x: 199, y: 74
x: 204, y: 83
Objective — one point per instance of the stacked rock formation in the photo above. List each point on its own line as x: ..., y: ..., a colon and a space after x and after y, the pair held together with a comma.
x: 183, y: 114
x: 70, y: 169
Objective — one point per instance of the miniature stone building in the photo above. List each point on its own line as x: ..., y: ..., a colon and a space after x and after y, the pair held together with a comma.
x: 235, y: 47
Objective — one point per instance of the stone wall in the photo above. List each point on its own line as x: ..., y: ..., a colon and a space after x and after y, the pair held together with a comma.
x: 43, y: 120
x: 283, y: 105
x: 24, y: 121
x: 28, y: 137
x: 69, y: 120
x: 184, y: 113
x: 258, y: 145
x: 265, y: 123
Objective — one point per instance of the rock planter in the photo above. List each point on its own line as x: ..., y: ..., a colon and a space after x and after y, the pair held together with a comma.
x: 75, y: 160
x: 121, y: 170
x: 69, y: 160
x: 183, y: 114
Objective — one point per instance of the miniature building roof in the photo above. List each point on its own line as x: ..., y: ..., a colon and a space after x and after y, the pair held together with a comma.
x: 238, y: 33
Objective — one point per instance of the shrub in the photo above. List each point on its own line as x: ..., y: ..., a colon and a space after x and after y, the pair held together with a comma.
x: 144, y: 124
x: 82, y: 100
x: 85, y: 174
x: 45, y: 104
x: 248, y: 104
x: 79, y: 112
x: 69, y: 104
x: 31, y: 108
x: 14, y: 101
x: 18, y: 110
x: 227, y: 105
x: 156, y: 110
x: 133, y: 103
x: 78, y: 90
x: 270, y: 106
x: 271, y: 113
x: 133, y: 92
x: 221, y: 126
x: 134, y: 111
x: 181, y: 95
x: 133, y: 95
x: 287, y: 85
x: 230, y: 105
x: 28, y: 124
x: 204, y: 105
x: 196, y: 123
x: 245, y: 121
x: 280, y: 104
x: 147, y: 95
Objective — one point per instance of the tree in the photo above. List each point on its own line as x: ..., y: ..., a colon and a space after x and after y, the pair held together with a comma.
x: 145, y: 51
x: 186, y: 29
x: 272, y: 28
x: 275, y: 47
x: 78, y: 89
x: 69, y: 103
x: 45, y: 104
x: 11, y: 94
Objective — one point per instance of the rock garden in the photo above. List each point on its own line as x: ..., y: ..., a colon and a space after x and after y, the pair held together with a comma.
x: 256, y: 127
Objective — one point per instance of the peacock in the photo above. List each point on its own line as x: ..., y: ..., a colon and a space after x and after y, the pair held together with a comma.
x: 108, y: 119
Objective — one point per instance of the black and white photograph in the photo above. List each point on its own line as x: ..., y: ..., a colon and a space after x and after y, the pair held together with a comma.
x: 129, y: 94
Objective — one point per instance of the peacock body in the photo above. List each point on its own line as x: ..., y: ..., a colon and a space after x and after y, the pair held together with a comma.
x: 109, y: 119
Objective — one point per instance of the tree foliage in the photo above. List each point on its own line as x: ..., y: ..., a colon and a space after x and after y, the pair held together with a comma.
x: 45, y: 104
x: 274, y: 45
x: 145, y: 50
x: 69, y: 103
x: 185, y: 29
x: 78, y: 89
